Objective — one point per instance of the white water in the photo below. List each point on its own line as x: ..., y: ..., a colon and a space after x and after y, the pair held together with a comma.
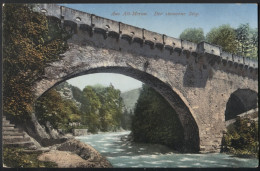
x: 125, y: 154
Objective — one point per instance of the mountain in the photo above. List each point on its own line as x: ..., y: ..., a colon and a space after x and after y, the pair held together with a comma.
x: 130, y: 98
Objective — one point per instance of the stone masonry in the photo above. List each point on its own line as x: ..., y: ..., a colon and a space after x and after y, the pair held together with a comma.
x: 196, y: 79
x: 15, y: 137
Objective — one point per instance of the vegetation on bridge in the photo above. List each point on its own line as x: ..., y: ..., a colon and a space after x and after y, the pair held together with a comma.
x: 155, y: 121
x: 30, y: 42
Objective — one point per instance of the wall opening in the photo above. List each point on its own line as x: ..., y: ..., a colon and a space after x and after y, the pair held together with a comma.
x: 240, y: 101
x: 191, y: 133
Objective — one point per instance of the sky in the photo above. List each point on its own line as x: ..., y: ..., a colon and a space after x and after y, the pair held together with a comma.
x: 205, y: 16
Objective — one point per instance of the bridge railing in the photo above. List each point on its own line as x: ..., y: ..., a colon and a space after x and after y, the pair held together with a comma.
x: 134, y: 33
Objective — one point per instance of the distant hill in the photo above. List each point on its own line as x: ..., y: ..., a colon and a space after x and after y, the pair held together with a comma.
x: 130, y: 98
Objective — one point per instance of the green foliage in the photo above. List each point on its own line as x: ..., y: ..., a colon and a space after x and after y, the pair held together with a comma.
x: 247, y: 41
x: 102, y: 108
x: 155, y: 121
x: 91, y: 110
x: 242, y: 138
x: 126, y: 119
x: 17, y: 158
x: 224, y: 36
x: 59, y: 112
x: 77, y: 94
x: 29, y: 44
x: 194, y: 35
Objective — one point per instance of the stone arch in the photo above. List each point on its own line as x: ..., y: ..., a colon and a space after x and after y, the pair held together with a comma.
x: 191, y: 131
x: 239, y: 102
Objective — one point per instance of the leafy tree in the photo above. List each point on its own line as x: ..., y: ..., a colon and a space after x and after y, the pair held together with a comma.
x: 155, y: 121
x: 242, y: 138
x: 59, y: 112
x: 77, y: 94
x: 28, y: 45
x: 224, y: 36
x: 111, y: 109
x: 247, y: 41
x: 194, y: 35
x: 102, y: 108
x: 126, y: 119
x: 254, y: 43
x: 242, y: 34
x: 91, y: 112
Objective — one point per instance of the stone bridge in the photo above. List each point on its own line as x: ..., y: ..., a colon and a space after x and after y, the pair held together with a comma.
x: 196, y: 79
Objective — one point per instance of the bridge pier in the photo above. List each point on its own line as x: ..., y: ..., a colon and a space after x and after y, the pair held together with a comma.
x: 210, y: 141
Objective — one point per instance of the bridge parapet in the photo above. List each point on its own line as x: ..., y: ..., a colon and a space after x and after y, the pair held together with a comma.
x: 132, y: 33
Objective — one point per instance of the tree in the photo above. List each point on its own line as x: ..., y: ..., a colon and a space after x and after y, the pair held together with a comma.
x: 247, y: 41
x: 28, y: 45
x: 59, y: 112
x: 103, y: 108
x: 91, y: 112
x: 126, y: 119
x: 224, y: 36
x: 194, y: 35
x: 155, y: 121
x: 254, y: 42
x: 77, y: 94
x: 111, y: 109
x: 242, y: 138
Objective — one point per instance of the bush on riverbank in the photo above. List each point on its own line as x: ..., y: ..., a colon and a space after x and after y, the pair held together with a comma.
x: 15, y: 157
x: 242, y: 138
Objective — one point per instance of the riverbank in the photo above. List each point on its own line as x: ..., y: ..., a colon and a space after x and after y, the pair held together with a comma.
x: 70, y: 154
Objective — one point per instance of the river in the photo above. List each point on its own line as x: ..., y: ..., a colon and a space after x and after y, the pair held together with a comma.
x: 126, y: 154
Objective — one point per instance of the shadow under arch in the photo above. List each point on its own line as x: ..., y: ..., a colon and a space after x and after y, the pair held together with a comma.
x: 191, y: 131
x: 240, y: 101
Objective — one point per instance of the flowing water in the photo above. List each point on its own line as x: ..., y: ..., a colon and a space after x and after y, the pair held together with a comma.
x: 123, y: 154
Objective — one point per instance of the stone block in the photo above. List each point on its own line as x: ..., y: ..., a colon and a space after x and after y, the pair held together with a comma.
x: 76, y: 16
x: 131, y: 31
x: 105, y: 24
x: 172, y: 42
x: 189, y: 46
x: 227, y: 56
x: 238, y: 59
x: 153, y: 37
x: 49, y: 10
x: 204, y: 47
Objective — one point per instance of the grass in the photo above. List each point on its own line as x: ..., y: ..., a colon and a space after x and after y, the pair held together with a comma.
x: 16, y: 157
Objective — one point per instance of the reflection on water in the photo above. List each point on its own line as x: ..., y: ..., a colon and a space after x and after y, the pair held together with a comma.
x: 126, y: 154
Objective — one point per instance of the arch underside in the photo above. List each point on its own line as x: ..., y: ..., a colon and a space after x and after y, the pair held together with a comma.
x: 191, y: 131
x: 240, y: 101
